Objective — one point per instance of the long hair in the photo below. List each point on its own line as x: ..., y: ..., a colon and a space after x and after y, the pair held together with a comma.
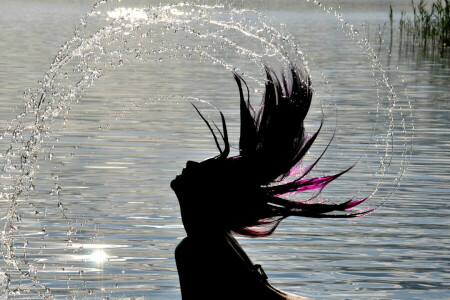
x: 272, y: 144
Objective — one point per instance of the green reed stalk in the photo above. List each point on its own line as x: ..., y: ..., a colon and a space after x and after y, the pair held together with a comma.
x: 429, y: 27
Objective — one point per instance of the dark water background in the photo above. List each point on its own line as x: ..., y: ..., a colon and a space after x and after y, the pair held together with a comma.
x: 118, y: 153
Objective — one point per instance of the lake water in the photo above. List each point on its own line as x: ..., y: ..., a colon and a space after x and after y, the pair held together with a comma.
x: 102, y: 221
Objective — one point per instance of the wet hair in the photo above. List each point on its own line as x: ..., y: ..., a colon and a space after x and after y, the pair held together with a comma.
x: 268, y: 169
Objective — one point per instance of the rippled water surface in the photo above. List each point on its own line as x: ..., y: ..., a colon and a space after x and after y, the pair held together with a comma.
x: 101, y: 220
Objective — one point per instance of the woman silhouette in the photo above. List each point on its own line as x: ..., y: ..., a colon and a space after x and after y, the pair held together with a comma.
x: 243, y: 194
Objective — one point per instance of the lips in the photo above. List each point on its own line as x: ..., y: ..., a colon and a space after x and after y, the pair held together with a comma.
x: 177, y: 178
x: 174, y: 182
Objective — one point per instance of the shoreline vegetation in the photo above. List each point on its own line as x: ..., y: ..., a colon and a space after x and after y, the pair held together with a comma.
x: 427, y: 30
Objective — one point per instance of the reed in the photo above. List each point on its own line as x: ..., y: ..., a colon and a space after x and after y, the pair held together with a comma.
x: 428, y: 28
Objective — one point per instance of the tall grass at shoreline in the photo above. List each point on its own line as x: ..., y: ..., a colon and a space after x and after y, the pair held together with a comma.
x: 428, y: 29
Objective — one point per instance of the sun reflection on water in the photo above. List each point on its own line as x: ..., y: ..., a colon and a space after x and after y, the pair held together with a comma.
x: 141, y: 14
x: 99, y: 256
x: 129, y: 14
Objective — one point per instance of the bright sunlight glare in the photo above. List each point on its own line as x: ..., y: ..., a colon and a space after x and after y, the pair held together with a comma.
x: 98, y: 256
x: 131, y: 14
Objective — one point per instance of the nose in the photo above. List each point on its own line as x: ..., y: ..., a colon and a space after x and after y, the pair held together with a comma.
x: 191, y: 164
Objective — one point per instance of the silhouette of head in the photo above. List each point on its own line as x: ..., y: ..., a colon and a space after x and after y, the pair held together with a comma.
x: 246, y: 193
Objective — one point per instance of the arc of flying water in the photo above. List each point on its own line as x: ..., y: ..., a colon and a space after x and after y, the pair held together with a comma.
x: 62, y: 61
